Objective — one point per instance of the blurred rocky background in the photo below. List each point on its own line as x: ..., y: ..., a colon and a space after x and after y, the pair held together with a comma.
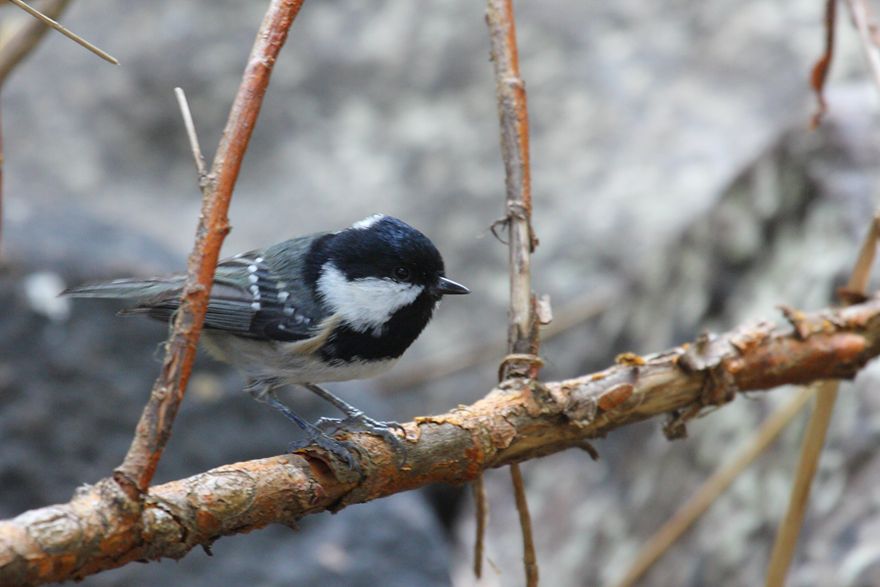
x: 677, y: 188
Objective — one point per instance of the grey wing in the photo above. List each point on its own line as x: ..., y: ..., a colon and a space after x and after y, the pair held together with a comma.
x: 251, y: 298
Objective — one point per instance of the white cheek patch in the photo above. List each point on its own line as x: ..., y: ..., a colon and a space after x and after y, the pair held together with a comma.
x: 364, y: 304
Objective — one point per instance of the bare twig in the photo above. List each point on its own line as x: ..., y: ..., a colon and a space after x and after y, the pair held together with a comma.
x: 199, y: 159
x: 714, y: 486
x: 154, y: 427
x: 529, y: 558
x: 64, y: 31
x: 814, y: 438
x: 101, y: 528
x: 482, y: 513
x: 513, y: 116
x: 522, y: 335
x: 823, y: 64
x: 26, y: 36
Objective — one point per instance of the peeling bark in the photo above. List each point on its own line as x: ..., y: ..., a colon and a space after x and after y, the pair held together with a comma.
x: 519, y: 420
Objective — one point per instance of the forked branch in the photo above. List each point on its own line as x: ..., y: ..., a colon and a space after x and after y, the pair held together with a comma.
x: 154, y: 426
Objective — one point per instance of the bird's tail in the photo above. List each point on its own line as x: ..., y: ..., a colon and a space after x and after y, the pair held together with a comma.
x: 139, y: 290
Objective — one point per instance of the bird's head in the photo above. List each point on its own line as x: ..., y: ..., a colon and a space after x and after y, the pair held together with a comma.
x: 378, y: 268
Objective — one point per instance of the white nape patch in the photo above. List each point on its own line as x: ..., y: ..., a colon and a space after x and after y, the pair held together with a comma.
x: 364, y: 304
x: 42, y: 290
x: 367, y: 222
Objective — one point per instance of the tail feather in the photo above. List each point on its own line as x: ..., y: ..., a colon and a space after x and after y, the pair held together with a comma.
x: 127, y: 289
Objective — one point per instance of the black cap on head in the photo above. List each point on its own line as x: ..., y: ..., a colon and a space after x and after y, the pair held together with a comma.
x: 386, y: 247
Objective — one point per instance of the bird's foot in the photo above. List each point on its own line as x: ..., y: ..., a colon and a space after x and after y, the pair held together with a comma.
x: 357, y: 421
x: 345, y: 451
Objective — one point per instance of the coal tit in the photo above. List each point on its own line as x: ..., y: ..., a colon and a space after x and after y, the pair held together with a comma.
x: 329, y: 306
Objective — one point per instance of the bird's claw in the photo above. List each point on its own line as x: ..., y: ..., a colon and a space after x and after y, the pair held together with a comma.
x: 342, y: 449
x: 360, y: 422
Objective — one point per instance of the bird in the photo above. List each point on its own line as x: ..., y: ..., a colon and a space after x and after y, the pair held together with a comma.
x: 325, y: 307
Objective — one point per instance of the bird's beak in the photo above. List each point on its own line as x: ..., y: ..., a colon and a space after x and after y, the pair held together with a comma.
x: 446, y: 287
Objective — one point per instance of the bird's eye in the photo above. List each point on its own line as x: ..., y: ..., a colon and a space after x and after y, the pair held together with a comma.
x: 401, y: 273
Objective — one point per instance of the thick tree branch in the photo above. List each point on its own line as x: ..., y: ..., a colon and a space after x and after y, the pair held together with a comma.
x: 515, y: 422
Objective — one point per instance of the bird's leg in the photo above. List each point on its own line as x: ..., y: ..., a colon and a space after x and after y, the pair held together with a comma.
x: 260, y: 388
x: 264, y: 391
x: 356, y: 420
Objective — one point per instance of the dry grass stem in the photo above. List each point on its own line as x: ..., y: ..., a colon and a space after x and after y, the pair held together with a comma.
x: 814, y: 439
x: 18, y: 44
x: 811, y: 450
x: 713, y: 487
x: 52, y: 23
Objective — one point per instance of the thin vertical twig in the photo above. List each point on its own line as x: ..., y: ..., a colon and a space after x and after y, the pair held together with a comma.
x: 482, y: 513
x: 513, y: 115
x: 154, y: 428
x: 714, y: 486
x: 522, y: 337
x: 52, y: 23
x: 199, y: 159
x: 571, y: 315
x: 811, y: 450
x: 814, y: 437
x: 530, y: 559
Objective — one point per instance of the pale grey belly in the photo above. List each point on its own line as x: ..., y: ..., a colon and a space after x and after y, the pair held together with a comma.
x: 280, y: 359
